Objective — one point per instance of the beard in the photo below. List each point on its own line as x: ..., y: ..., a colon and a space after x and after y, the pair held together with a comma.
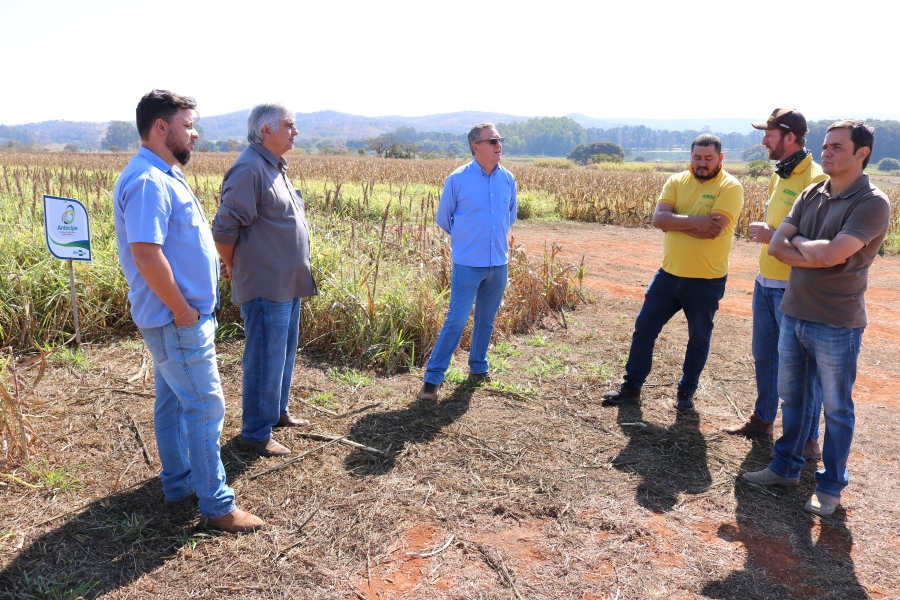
x: 711, y: 175
x: 182, y: 154
x: 777, y: 153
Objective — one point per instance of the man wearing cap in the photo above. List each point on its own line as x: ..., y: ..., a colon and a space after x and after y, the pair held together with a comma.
x: 697, y: 209
x: 785, y: 138
x: 477, y: 208
x: 829, y: 238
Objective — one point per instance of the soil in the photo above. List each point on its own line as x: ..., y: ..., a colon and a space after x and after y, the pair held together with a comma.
x: 534, y: 490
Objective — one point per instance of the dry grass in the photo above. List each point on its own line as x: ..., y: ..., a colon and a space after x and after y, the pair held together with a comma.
x: 546, y: 493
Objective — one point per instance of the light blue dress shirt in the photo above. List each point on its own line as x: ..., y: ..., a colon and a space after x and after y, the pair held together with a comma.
x: 154, y: 204
x: 477, y: 210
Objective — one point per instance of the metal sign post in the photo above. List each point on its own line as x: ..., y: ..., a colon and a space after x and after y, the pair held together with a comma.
x: 68, y: 235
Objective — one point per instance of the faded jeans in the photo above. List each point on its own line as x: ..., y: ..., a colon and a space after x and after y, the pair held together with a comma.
x: 766, y: 329
x: 188, y: 414
x: 272, y: 331
x: 810, y: 353
x: 482, y: 286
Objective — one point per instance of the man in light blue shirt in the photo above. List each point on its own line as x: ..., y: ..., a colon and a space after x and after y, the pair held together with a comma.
x: 477, y: 208
x: 169, y: 258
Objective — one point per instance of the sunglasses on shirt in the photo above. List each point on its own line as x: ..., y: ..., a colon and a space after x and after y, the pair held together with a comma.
x: 492, y: 141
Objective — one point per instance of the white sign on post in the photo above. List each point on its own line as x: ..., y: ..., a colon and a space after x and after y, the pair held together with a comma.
x: 68, y: 236
x: 67, y: 229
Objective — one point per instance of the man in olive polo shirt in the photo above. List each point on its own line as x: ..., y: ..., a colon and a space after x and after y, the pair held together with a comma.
x: 829, y: 239
x: 785, y: 138
x: 697, y: 209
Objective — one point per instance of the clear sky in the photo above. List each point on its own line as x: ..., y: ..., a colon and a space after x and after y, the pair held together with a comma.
x: 92, y: 60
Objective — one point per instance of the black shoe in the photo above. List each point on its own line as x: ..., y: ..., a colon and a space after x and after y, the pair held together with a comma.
x: 623, y: 394
x: 685, y: 402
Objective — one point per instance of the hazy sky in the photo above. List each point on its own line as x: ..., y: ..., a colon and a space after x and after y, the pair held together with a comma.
x: 92, y: 60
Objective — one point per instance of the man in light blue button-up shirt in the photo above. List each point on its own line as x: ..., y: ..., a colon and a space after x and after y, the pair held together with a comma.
x: 477, y: 208
x: 169, y: 258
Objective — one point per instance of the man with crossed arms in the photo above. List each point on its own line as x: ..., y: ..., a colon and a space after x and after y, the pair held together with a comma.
x: 829, y: 239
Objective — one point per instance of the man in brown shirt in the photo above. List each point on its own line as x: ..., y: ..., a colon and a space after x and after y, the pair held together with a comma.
x: 829, y: 239
x: 262, y: 236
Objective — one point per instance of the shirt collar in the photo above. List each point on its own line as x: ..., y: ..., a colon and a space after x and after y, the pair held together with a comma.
x: 270, y: 158
x: 152, y: 158
x: 483, y: 172
x: 858, y: 185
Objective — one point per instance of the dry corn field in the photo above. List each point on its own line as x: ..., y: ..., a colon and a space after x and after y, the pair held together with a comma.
x: 524, y: 488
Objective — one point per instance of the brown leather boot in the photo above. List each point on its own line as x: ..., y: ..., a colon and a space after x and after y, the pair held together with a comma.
x: 237, y: 521
x: 289, y: 421
x: 752, y: 428
x: 267, y: 448
x: 812, y: 451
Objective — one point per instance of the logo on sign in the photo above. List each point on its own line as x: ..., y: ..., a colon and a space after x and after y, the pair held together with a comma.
x: 69, y: 215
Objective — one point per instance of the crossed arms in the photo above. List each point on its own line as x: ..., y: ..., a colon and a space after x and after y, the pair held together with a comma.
x: 797, y: 251
x: 704, y: 227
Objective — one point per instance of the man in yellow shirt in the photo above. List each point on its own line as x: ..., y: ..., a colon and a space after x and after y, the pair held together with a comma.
x: 785, y: 138
x: 697, y: 209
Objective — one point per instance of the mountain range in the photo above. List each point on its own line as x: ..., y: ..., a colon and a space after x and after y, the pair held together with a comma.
x: 340, y: 127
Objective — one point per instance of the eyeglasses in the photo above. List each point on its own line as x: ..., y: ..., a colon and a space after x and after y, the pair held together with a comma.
x: 492, y: 141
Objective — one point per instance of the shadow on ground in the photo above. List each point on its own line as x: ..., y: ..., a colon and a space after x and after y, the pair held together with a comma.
x: 392, y: 431
x: 790, y: 553
x: 111, y: 542
x: 669, y: 460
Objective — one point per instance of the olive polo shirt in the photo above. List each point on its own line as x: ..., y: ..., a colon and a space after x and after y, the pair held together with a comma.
x: 835, y: 295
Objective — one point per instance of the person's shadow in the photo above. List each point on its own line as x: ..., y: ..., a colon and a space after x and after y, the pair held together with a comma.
x: 111, y: 542
x: 669, y: 460
x: 783, y: 560
x: 391, y: 431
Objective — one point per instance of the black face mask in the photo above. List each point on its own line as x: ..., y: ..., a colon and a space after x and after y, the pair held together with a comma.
x: 785, y: 167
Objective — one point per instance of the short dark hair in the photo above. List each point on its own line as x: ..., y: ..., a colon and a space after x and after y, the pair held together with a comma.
x: 862, y: 135
x: 707, y: 139
x: 159, y: 104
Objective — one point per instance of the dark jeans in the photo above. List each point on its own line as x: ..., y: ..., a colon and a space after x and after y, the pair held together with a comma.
x: 665, y: 296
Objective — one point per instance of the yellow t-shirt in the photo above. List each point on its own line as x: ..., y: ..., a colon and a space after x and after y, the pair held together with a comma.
x: 782, y: 194
x: 687, y: 256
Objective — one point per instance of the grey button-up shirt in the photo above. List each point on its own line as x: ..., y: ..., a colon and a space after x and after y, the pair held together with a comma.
x: 263, y: 215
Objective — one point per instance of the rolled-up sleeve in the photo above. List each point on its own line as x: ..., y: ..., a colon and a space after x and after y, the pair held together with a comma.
x: 238, y: 204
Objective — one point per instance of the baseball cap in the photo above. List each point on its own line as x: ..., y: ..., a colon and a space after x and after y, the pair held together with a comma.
x: 785, y: 120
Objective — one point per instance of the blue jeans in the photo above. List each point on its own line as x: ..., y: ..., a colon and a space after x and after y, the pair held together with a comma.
x: 482, y: 286
x: 665, y: 296
x: 188, y: 414
x: 271, y: 330
x: 811, y: 353
x: 766, y: 329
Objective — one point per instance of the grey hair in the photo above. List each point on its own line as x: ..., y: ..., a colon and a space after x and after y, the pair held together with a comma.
x: 474, y: 133
x: 267, y: 113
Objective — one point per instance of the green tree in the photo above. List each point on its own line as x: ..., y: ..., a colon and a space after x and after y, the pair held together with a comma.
x: 584, y: 153
x: 121, y: 134
x: 889, y: 164
x: 381, y: 144
x: 606, y: 158
x: 759, y: 168
x: 755, y: 152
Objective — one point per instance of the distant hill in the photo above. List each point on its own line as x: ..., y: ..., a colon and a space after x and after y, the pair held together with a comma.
x: 720, y: 125
x: 64, y: 132
x: 342, y: 126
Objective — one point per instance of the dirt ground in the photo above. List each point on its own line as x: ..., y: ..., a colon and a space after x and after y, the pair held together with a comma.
x: 533, y: 490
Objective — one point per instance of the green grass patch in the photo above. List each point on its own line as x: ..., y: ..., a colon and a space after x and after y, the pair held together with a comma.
x: 350, y: 377
x: 55, y: 479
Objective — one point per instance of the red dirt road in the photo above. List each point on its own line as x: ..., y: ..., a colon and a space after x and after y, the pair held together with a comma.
x: 621, y: 261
